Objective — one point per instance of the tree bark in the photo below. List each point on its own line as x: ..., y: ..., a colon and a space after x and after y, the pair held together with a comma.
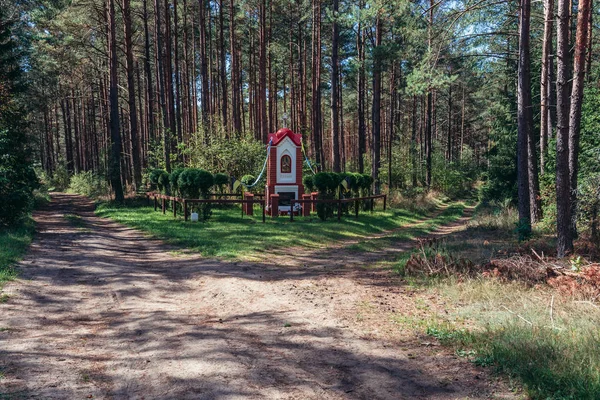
x: 545, y: 83
x: 316, y: 85
x: 335, y: 127
x: 579, y: 64
x: 376, y: 110
x: 525, y: 124
x: 563, y: 195
x: 115, y: 134
x: 133, y: 121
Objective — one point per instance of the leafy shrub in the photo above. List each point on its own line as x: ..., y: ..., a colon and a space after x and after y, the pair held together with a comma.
x: 232, y: 157
x: 173, y: 181
x: 195, y: 183
x: 163, y: 182
x: 153, y: 176
x: 309, y: 185
x: 88, y: 184
x: 220, y: 181
x: 326, y: 183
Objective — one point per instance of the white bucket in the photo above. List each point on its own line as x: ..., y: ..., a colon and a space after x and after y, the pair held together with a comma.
x: 194, y: 217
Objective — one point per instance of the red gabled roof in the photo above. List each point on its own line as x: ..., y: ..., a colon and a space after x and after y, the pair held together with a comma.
x: 282, y: 134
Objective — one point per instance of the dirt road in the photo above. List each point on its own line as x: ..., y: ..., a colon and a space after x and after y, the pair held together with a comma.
x: 101, y: 311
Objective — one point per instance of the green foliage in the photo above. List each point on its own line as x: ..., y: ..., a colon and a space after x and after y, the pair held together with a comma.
x: 14, y: 241
x: 235, y: 158
x: 500, y: 181
x: 164, y: 182
x: 195, y: 183
x: 17, y: 177
x: 309, y: 185
x: 221, y: 180
x: 87, y: 183
x: 153, y: 177
x: 248, y: 180
x: 455, y: 178
x: 173, y: 181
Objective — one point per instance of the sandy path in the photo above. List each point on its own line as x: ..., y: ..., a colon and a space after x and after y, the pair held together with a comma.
x: 104, y: 312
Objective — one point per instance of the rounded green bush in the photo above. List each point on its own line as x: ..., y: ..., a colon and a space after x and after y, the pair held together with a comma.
x: 173, y: 179
x: 309, y: 183
x: 323, y: 181
x: 221, y: 179
x: 153, y: 176
x: 163, y: 181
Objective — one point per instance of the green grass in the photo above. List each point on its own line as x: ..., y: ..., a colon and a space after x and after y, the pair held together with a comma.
x: 14, y: 241
x: 510, y: 328
x: 75, y: 220
x: 547, y: 343
x: 448, y: 215
x: 227, y: 234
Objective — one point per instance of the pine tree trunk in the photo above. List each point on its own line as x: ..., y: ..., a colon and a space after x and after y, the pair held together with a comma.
x: 362, y: 145
x: 133, y: 122
x: 376, y: 110
x: 114, y: 171
x: 545, y: 83
x: 316, y: 85
x: 335, y: 127
x: 525, y: 121
x: 579, y: 62
x: 262, y: 71
x: 563, y: 195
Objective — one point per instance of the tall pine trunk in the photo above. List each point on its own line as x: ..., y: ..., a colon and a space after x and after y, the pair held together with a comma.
x: 525, y: 121
x: 579, y: 62
x: 335, y: 126
x: 114, y: 170
x: 563, y: 195
x: 376, y: 110
x: 545, y: 83
x: 133, y: 122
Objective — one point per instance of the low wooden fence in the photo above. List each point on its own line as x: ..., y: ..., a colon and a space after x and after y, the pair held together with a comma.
x: 165, y: 199
x: 186, y: 202
x: 339, y: 202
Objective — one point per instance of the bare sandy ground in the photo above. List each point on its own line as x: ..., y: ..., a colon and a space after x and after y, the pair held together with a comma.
x: 104, y: 312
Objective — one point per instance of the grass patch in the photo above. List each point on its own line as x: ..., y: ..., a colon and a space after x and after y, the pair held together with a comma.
x: 448, y: 215
x: 547, y: 342
x: 75, y: 220
x: 227, y: 234
x: 14, y: 241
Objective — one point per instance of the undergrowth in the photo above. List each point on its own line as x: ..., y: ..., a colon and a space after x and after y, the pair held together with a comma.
x: 13, y: 244
x: 514, y: 309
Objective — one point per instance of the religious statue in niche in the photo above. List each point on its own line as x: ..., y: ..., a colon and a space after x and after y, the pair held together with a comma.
x: 286, y: 164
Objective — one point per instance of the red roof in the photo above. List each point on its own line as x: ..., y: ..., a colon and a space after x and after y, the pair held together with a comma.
x: 282, y: 134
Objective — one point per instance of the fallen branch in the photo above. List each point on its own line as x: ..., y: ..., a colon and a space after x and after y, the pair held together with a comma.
x: 514, y: 313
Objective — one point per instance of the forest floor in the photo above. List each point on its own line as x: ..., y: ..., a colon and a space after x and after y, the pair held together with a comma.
x: 103, y: 311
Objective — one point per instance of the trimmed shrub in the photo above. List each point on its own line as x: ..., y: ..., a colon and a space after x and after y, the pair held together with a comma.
x: 174, y: 181
x: 195, y: 183
x: 326, y: 183
x: 153, y: 176
x: 163, y: 182
x: 309, y: 184
x: 220, y: 181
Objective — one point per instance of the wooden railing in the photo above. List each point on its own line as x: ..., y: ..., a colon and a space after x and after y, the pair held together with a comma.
x: 185, y: 202
x: 339, y: 203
